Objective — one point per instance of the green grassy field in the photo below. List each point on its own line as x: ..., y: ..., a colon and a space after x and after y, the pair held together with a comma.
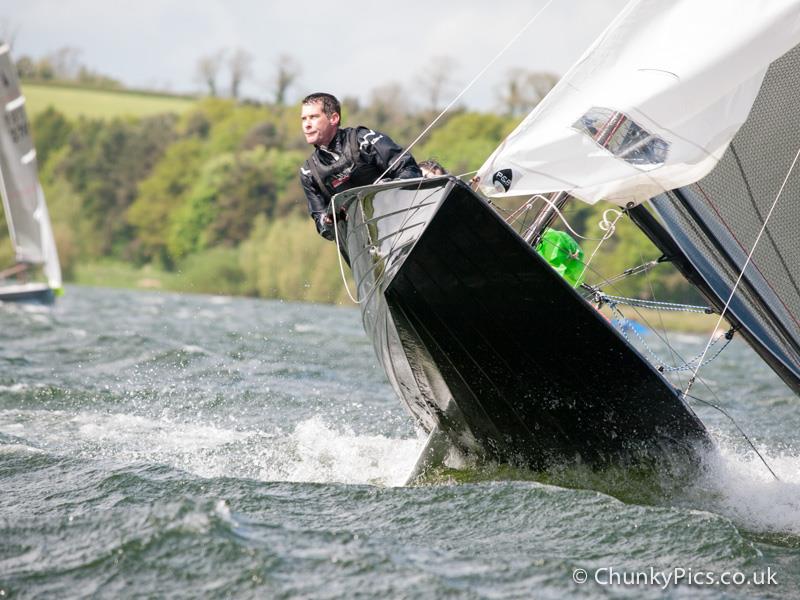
x: 103, y: 104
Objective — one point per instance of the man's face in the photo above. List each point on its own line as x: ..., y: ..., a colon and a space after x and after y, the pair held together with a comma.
x: 318, y: 127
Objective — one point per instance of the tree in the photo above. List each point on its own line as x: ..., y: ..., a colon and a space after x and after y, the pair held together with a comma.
x: 105, y: 163
x: 435, y: 82
x: 388, y: 110
x: 287, y: 71
x: 208, y: 69
x: 160, y: 195
x: 65, y: 62
x: 26, y: 67
x: 51, y: 131
x: 240, y: 65
x: 524, y: 90
x: 228, y: 193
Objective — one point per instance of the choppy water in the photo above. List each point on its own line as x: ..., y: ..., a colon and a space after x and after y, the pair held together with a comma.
x: 160, y: 445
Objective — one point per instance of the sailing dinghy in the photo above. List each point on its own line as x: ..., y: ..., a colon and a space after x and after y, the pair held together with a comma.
x: 24, y: 205
x: 492, y: 351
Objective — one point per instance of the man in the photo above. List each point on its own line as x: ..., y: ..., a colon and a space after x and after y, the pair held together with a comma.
x: 344, y: 158
x: 431, y: 168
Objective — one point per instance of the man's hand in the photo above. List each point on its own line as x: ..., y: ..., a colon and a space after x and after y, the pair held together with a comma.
x: 325, y: 227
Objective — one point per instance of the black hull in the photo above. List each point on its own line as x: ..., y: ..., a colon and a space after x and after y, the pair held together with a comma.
x: 482, y: 338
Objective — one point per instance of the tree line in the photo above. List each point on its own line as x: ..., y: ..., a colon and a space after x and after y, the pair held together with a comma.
x: 213, y: 195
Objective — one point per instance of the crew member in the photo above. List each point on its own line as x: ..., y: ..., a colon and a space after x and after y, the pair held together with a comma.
x: 344, y: 158
x: 431, y: 168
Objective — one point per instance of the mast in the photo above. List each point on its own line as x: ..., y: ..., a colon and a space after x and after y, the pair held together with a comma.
x: 557, y: 200
x: 533, y: 234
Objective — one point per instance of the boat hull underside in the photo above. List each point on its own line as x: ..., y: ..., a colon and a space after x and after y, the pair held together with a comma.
x: 30, y: 293
x: 483, y: 339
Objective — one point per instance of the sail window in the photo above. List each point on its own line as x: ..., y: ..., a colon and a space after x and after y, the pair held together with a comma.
x: 623, y: 137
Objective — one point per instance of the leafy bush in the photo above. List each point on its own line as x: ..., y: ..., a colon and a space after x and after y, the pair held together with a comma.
x: 213, y: 271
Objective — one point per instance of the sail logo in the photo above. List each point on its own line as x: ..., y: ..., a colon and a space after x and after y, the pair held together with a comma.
x: 501, y: 180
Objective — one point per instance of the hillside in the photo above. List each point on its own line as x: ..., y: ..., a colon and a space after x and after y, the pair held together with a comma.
x: 73, y: 101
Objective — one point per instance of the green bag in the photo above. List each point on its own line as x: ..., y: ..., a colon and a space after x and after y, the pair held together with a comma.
x: 564, y: 255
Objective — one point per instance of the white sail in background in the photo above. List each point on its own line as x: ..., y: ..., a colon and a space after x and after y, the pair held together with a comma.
x: 651, y: 106
x: 23, y: 200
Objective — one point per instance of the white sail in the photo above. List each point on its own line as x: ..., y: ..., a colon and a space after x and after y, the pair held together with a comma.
x: 23, y: 200
x: 651, y: 106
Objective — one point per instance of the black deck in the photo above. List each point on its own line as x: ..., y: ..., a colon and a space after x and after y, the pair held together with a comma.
x: 481, y: 336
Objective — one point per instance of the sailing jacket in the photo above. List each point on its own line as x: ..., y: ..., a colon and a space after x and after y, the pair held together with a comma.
x: 356, y: 156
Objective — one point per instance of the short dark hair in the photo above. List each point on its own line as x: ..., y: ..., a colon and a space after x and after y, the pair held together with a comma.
x: 329, y: 102
x: 433, y: 166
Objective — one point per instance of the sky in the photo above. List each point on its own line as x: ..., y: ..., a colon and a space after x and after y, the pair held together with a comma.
x: 347, y: 47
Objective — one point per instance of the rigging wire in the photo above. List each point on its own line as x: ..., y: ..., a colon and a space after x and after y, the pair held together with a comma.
x: 650, y: 304
x: 642, y: 268
x: 661, y: 317
x: 658, y: 362
x: 700, y: 358
x: 466, y: 89
x: 735, y: 424
x: 744, y: 268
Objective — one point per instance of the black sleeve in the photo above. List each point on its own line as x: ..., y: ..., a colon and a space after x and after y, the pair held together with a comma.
x: 317, y: 202
x: 386, y: 152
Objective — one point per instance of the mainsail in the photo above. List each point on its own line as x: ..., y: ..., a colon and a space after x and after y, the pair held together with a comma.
x: 23, y: 200
x: 652, y: 104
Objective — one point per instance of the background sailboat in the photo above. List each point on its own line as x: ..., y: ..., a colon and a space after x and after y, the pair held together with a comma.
x: 24, y: 205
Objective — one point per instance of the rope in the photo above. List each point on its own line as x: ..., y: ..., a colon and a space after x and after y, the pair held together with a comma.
x: 661, y: 365
x: 735, y: 424
x: 653, y: 304
x: 411, y: 208
x: 529, y: 203
x: 744, y: 268
x: 642, y: 268
x: 341, y: 262
x: 609, y: 228
x: 466, y: 89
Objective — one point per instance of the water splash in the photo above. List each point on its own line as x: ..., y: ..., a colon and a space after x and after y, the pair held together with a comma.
x: 313, y: 451
x: 736, y: 484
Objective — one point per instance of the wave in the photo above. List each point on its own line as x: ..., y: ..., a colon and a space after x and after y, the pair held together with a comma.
x: 313, y: 451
